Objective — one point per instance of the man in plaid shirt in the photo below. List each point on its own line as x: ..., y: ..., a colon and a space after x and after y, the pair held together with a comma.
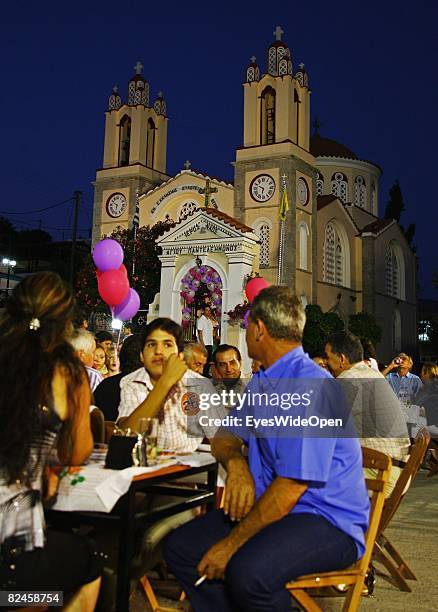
x: 165, y: 388
x: 376, y: 410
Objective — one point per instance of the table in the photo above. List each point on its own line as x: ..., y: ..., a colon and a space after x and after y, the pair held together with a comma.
x: 129, y: 519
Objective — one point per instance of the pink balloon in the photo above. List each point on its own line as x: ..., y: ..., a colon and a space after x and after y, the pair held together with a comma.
x: 113, y: 287
x: 124, y: 270
x: 129, y: 307
x: 254, y: 286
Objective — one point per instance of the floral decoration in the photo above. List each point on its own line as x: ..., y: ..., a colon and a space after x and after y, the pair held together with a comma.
x: 191, y: 283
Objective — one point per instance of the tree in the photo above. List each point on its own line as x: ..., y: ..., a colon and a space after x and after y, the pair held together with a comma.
x: 395, y: 205
x: 364, y: 326
x: 319, y: 325
x: 146, y: 278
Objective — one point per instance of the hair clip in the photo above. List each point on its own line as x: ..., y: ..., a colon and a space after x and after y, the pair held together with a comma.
x: 34, y: 324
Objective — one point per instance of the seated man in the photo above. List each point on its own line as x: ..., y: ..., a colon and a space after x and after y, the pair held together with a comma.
x: 227, y: 363
x: 161, y: 387
x: 377, y: 412
x: 298, y: 505
x: 84, y: 344
x: 195, y: 356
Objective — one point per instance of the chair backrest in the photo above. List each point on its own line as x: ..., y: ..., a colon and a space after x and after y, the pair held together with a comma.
x: 404, y: 481
x: 376, y: 487
x: 97, y: 423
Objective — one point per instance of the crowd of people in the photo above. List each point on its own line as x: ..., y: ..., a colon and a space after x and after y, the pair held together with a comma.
x: 300, y: 500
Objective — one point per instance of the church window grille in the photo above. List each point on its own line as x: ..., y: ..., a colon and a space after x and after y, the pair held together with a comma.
x: 131, y: 93
x: 272, y: 61
x: 264, y: 234
x: 373, y: 198
x: 339, y: 186
x: 187, y: 209
x: 333, y: 258
x: 396, y: 330
x: 268, y: 116
x: 303, y: 235
x: 282, y: 70
x: 320, y: 185
x: 150, y: 144
x: 124, y: 141
x: 392, y: 273
x: 359, y: 191
x: 299, y: 78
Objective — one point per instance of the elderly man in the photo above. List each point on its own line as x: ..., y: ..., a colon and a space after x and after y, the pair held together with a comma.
x: 195, y: 356
x: 297, y: 505
x: 227, y: 363
x: 84, y: 344
x: 376, y: 410
x: 405, y: 384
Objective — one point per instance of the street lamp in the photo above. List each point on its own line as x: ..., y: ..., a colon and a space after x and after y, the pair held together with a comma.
x: 11, y: 263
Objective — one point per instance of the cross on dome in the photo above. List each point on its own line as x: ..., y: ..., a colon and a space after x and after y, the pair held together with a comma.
x: 160, y: 94
x: 253, y: 59
x: 278, y: 32
x: 301, y: 66
x: 138, y: 68
x: 187, y: 164
x: 115, y: 89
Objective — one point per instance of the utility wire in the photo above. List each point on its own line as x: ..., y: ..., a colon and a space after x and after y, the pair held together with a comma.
x: 30, y: 212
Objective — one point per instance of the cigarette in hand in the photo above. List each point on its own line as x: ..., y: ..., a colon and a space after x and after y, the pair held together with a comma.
x: 201, y: 579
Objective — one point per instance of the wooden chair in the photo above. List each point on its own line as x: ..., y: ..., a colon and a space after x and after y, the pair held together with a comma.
x: 384, y: 552
x: 97, y: 423
x: 353, y: 576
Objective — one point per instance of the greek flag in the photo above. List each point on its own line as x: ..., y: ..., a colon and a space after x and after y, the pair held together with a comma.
x: 284, y: 205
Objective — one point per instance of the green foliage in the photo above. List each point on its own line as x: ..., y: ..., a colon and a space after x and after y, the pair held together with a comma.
x: 364, y: 326
x: 319, y: 325
x: 395, y: 205
x: 146, y: 278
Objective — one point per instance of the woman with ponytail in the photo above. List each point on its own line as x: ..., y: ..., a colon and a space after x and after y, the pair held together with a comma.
x: 44, y: 406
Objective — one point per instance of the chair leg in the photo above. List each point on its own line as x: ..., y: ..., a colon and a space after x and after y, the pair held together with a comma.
x: 354, y: 593
x: 149, y: 592
x: 400, y: 582
x: 402, y: 566
x: 305, y: 601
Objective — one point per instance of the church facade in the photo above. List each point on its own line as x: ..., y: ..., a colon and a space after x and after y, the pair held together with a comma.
x: 330, y: 246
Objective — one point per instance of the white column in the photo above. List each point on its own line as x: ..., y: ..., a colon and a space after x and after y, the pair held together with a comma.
x: 166, y: 285
x: 239, y: 265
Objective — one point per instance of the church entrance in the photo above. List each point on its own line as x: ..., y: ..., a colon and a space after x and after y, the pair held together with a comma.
x: 201, y: 286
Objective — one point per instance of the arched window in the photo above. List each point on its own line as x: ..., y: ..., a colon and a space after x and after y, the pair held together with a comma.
x: 396, y: 331
x: 263, y: 231
x: 267, y: 131
x: 150, y: 144
x: 303, y: 239
x: 320, y: 185
x: 340, y: 186
x: 187, y: 209
x: 393, y: 272
x: 124, y: 140
x: 335, y: 257
x: 360, y: 191
x: 373, y: 198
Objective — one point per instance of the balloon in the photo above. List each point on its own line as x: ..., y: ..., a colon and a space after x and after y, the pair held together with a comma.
x: 124, y: 270
x: 108, y: 255
x: 129, y: 307
x: 254, y: 286
x: 245, y: 319
x: 113, y: 287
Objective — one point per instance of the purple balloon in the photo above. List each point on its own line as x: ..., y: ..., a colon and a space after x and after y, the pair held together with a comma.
x: 129, y: 307
x: 246, y: 319
x: 108, y: 255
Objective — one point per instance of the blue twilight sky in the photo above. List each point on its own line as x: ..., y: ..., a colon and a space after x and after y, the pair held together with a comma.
x: 372, y: 70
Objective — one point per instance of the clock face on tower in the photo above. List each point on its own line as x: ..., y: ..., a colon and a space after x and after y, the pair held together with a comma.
x: 116, y: 205
x: 262, y: 188
x: 302, y: 191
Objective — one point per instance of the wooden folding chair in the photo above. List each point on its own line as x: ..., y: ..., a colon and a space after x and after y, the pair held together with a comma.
x: 353, y: 576
x: 384, y: 552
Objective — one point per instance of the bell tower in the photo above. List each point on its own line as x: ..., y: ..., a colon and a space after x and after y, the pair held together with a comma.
x: 275, y: 156
x: 134, y: 156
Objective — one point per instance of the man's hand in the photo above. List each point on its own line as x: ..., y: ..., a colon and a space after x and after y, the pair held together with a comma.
x: 239, y: 496
x: 174, y: 369
x: 215, y: 560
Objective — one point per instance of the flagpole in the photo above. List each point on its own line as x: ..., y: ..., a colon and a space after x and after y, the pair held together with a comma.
x: 135, y: 224
x: 283, y: 211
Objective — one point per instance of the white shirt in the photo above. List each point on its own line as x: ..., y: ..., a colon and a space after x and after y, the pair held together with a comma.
x: 206, y: 326
x: 173, y: 421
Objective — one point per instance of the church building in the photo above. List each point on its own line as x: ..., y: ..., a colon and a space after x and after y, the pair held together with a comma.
x: 329, y: 244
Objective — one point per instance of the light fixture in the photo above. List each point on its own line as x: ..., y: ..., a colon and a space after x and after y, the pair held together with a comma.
x: 116, y: 324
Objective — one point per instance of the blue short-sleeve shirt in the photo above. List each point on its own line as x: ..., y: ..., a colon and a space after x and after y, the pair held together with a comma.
x: 330, y: 465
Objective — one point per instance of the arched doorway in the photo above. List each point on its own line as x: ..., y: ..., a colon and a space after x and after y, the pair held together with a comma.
x: 200, y: 286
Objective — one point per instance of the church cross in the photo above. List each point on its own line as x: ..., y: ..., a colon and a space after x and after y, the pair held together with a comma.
x: 253, y: 59
x: 278, y: 32
x: 207, y: 191
x: 187, y: 164
x: 138, y: 68
x: 115, y: 89
x: 316, y: 126
x: 301, y: 66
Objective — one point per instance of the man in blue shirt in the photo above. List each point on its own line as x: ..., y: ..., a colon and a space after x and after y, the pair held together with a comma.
x: 298, y: 504
x: 405, y: 384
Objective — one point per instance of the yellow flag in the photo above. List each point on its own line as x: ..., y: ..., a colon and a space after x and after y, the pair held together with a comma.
x: 284, y: 205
